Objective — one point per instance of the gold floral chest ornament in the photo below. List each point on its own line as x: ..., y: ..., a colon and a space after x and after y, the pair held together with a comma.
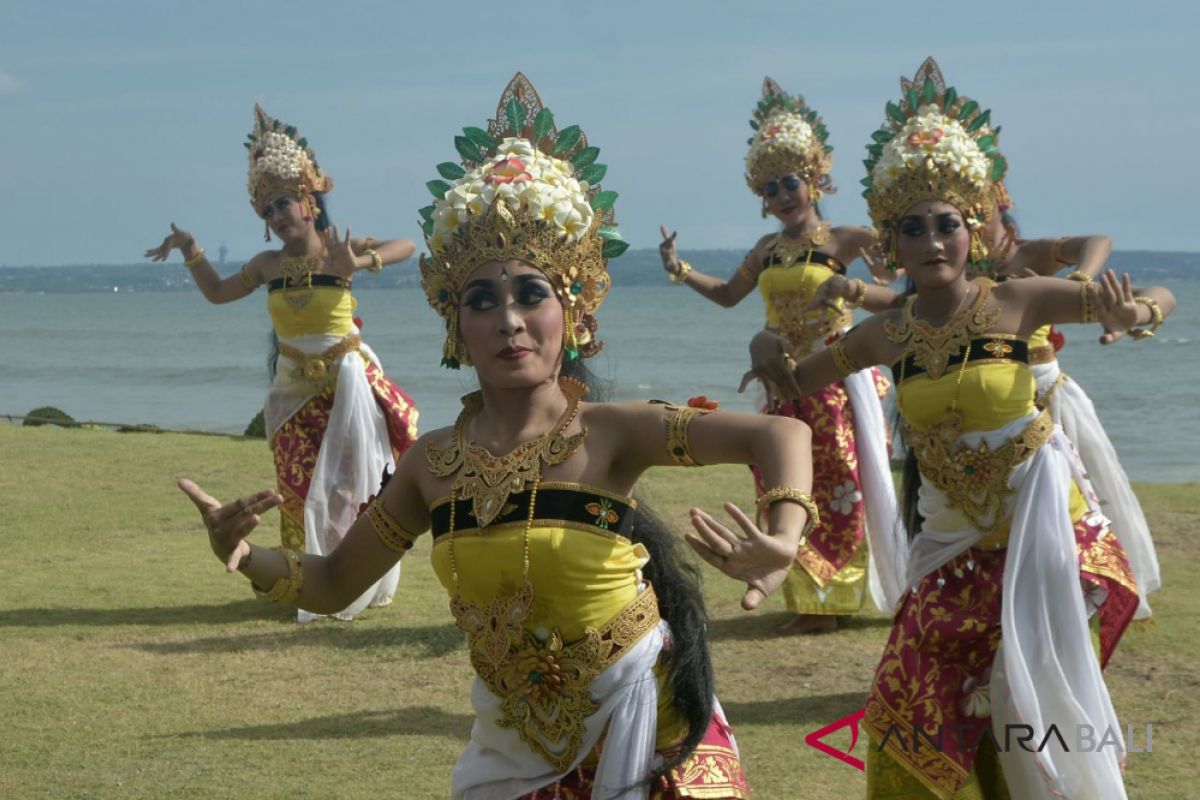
x: 788, y: 250
x: 542, y: 683
x: 297, y: 272
x: 931, y: 345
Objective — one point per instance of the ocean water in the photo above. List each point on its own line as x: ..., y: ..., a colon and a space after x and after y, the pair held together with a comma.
x: 174, y: 360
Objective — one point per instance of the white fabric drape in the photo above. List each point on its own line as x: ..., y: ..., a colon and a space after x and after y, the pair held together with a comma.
x: 887, y: 543
x: 354, y: 452
x: 1073, y: 410
x: 1046, y: 672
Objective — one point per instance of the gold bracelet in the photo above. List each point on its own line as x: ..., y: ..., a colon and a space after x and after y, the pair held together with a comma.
x: 286, y: 590
x: 788, y: 493
x: 842, y: 359
x: 677, y: 420
x: 1088, y: 311
x: 1082, y: 277
x: 681, y: 275
x: 860, y: 293
x: 1056, y: 251
x: 393, y: 535
x: 376, y: 260
x: 1156, y: 318
x: 195, y: 260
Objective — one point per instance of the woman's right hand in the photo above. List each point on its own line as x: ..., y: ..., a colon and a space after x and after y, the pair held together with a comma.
x: 771, y: 364
x: 176, y: 239
x: 837, y: 287
x: 228, y: 525
x: 666, y: 251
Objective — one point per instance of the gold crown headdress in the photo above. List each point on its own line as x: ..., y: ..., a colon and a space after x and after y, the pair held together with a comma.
x: 527, y: 191
x: 281, y: 162
x: 790, y: 138
x: 935, y: 144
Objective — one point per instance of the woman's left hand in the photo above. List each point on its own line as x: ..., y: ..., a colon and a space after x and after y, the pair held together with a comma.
x: 762, y: 561
x: 1117, y: 310
x: 341, y: 253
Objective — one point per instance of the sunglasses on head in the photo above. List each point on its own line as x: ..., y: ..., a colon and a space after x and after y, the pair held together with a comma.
x: 790, y: 183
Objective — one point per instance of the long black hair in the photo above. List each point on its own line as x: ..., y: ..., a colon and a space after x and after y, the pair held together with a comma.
x: 676, y: 581
x: 910, y: 474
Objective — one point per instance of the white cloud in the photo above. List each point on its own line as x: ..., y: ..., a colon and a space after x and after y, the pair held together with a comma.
x: 10, y: 84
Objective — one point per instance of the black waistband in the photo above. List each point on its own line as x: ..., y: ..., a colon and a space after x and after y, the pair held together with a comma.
x: 575, y: 505
x: 810, y: 257
x: 316, y: 280
x: 985, y: 348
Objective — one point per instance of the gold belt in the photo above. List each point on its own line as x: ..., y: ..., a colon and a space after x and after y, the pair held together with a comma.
x: 1042, y: 355
x: 975, y: 479
x: 319, y: 369
x: 543, y: 684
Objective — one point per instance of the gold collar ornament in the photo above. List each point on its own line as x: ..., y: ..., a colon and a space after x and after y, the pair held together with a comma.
x: 282, y: 163
x: 527, y: 191
x: 789, y: 249
x: 932, y: 345
x: 790, y: 139
x: 934, y: 145
x: 488, y: 480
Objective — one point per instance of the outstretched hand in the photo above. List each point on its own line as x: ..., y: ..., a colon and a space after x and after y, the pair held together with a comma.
x: 762, y: 561
x: 341, y: 254
x: 1117, y: 312
x: 228, y: 525
x: 176, y: 239
x: 666, y: 250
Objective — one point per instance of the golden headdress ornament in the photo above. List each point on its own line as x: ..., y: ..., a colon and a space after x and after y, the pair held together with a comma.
x: 281, y: 162
x: 789, y: 139
x: 934, y: 145
x: 525, y: 190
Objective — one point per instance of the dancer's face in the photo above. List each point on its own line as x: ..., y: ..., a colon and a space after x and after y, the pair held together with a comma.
x: 933, y: 242
x: 788, y: 198
x: 511, y: 322
x: 285, y: 217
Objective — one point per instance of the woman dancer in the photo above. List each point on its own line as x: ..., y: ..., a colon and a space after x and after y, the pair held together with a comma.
x: 334, y: 420
x: 1010, y: 555
x: 788, y: 166
x: 584, y: 626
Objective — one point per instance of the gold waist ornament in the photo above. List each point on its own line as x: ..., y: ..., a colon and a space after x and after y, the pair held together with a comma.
x: 975, y: 479
x: 543, y: 684
x: 320, y: 369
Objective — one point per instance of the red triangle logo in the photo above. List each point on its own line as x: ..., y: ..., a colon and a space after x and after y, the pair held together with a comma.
x: 814, y: 739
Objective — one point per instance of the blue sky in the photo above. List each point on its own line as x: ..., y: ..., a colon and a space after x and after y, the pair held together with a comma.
x: 118, y: 117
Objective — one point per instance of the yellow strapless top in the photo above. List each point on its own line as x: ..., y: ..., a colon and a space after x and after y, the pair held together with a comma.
x: 329, y: 310
x: 1040, y: 337
x: 583, y: 574
x: 786, y: 290
x: 992, y: 394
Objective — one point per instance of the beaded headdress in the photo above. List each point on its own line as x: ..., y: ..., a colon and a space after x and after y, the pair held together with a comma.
x: 935, y: 144
x: 528, y: 191
x: 789, y: 139
x: 281, y: 162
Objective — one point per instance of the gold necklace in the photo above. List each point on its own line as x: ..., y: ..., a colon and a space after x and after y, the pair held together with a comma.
x: 932, y: 345
x: 488, y: 480
x: 297, y: 272
x: 789, y: 249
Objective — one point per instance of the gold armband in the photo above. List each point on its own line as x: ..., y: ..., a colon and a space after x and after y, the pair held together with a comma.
x: 787, y: 493
x: 1156, y: 318
x: 681, y: 275
x: 376, y: 260
x: 677, y: 420
x: 195, y: 260
x: 1087, y: 303
x: 1056, y: 251
x: 842, y: 359
x: 248, y: 280
x: 1082, y: 277
x: 286, y: 590
x: 393, y: 535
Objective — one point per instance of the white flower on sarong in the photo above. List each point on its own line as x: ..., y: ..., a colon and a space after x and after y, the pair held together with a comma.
x: 846, y: 497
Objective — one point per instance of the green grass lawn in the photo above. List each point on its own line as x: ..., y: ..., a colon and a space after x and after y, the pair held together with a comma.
x: 131, y: 665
